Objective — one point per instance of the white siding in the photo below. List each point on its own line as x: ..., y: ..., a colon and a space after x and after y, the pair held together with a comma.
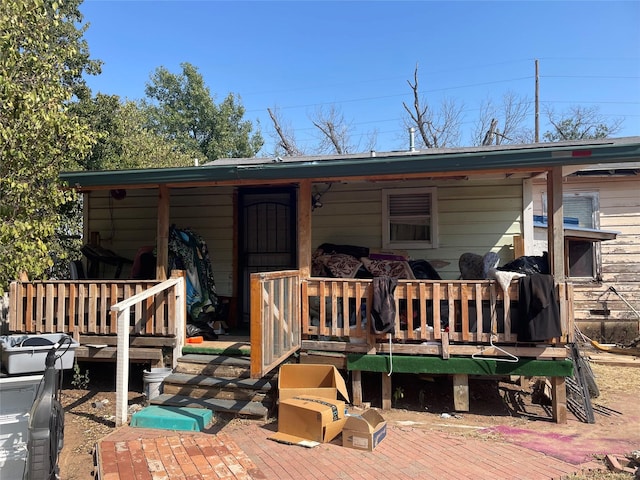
x: 473, y: 216
x: 128, y: 224
x: 619, y: 200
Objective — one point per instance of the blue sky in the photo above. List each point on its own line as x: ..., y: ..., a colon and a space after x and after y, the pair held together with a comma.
x: 298, y: 56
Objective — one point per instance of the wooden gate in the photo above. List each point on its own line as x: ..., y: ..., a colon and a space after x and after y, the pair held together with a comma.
x: 275, y: 319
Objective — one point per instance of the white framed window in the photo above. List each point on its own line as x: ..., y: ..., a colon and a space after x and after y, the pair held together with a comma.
x: 582, y: 257
x: 409, y: 218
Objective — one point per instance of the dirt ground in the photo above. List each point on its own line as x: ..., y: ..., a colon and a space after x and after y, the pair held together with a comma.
x: 498, y: 409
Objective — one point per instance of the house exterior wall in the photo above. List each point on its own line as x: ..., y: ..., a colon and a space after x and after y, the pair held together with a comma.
x: 128, y: 224
x: 473, y: 216
x: 599, y: 312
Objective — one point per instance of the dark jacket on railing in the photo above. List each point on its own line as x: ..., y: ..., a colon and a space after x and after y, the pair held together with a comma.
x: 539, y: 311
x: 383, y: 311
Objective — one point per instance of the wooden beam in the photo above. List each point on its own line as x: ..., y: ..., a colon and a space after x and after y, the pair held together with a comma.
x: 555, y: 227
x: 356, y: 387
x: 109, y: 354
x: 162, y: 234
x: 304, y: 228
x: 461, y: 392
x: 527, y: 238
x: 112, y: 340
x: 539, y: 353
x: 559, y: 399
x: 386, y: 391
x: 255, y: 330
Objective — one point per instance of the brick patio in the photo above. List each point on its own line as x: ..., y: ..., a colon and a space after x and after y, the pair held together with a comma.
x: 242, y: 450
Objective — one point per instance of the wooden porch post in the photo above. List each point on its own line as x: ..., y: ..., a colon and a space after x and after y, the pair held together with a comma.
x: 559, y: 399
x: 122, y: 366
x: 304, y: 228
x: 461, y: 392
x: 386, y: 391
x: 356, y: 387
x: 555, y: 223
x: 162, y: 234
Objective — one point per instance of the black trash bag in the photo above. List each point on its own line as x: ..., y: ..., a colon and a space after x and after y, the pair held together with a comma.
x: 424, y: 270
x: 528, y: 265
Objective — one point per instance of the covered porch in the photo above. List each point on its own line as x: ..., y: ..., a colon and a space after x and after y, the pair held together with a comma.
x: 461, y: 328
x: 448, y: 326
x: 479, y: 338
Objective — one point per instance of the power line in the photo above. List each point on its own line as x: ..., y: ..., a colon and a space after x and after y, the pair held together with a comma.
x: 602, y: 77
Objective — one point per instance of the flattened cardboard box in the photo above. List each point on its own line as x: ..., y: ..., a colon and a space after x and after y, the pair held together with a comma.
x: 364, y: 431
x: 296, y: 380
x: 308, y: 420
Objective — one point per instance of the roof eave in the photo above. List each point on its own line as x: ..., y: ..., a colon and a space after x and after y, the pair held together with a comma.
x: 530, y: 158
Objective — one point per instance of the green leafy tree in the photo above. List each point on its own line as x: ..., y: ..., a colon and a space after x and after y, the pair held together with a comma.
x: 181, y: 109
x: 42, y: 59
x: 124, y: 141
x: 143, y: 148
x: 580, y: 123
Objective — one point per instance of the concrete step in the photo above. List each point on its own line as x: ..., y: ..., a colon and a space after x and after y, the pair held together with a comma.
x: 214, y: 365
x: 202, y: 386
x: 237, y: 407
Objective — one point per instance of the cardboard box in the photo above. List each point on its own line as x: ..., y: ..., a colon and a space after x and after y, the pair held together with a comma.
x: 295, y: 380
x: 364, y: 431
x: 309, y: 420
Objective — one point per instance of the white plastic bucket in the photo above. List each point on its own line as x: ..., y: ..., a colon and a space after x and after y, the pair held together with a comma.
x: 152, y: 380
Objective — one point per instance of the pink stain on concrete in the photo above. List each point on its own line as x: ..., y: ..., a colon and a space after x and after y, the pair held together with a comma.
x: 568, y: 448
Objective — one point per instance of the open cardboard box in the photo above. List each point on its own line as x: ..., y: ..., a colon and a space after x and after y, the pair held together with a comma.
x: 309, y: 412
x: 364, y: 431
x: 309, y: 420
x: 295, y: 379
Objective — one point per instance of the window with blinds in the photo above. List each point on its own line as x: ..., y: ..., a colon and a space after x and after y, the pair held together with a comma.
x: 581, y: 206
x: 409, y: 218
x: 583, y: 258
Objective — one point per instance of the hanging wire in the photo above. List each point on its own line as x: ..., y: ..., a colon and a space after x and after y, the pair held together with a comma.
x: 390, y: 358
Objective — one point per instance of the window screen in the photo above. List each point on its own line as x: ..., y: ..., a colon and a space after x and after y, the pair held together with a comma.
x: 409, y: 217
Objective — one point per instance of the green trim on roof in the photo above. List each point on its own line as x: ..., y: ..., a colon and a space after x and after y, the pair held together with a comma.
x: 535, y: 158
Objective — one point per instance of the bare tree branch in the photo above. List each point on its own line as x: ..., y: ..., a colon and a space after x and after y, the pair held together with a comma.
x: 511, y: 114
x: 434, y: 130
x: 285, y: 140
x: 334, y: 129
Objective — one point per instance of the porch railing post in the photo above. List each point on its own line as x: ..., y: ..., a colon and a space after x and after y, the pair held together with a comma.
x: 180, y: 316
x: 122, y: 366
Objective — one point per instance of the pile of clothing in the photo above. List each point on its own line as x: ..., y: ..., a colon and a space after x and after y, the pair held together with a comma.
x: 189, y: 252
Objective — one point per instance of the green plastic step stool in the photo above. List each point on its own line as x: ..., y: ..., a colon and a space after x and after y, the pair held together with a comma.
x: 172, y: 418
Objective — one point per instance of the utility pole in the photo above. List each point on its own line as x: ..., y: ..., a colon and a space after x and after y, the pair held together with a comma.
x: 537, y: 101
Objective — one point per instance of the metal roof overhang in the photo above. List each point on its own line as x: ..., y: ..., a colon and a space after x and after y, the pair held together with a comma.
x: 581, y: 233
x: 533, y: 158
x: 591, y: 235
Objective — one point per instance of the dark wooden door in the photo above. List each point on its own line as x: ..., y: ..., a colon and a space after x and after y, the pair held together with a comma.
x: 267, y: 235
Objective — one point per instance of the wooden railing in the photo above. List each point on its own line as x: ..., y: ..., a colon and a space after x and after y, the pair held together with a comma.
x: 428, y: 313
x: 80, y: 307
x: 174, y: 290
x: 275, y: 318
